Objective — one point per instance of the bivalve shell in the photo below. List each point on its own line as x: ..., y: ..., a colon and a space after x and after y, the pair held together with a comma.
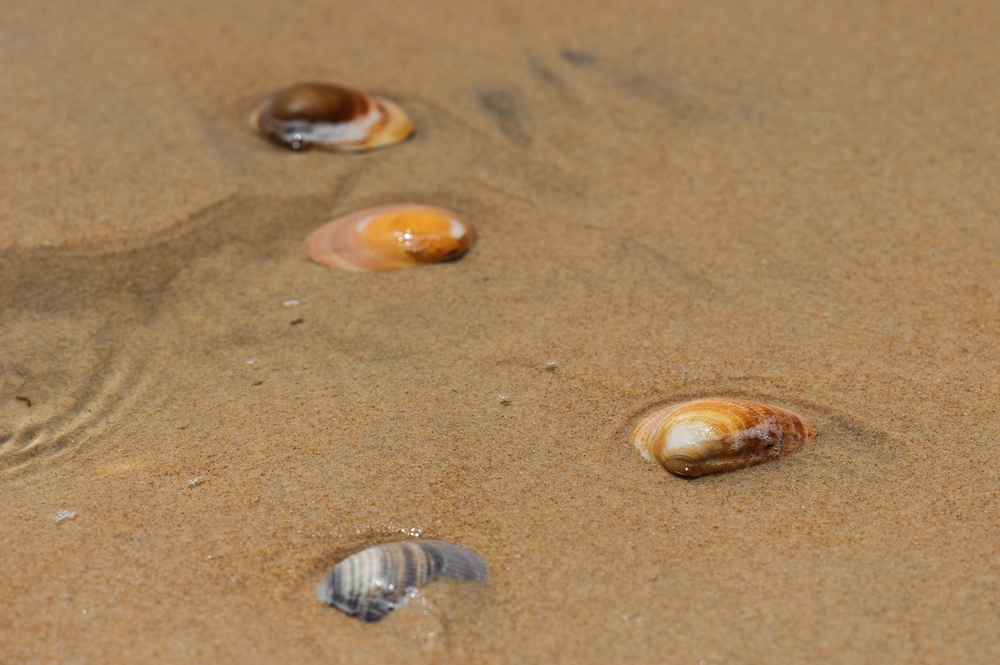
x: 332, y: 117
x: 719, y: 434
x: 391, y: 237
x: 372, y: 583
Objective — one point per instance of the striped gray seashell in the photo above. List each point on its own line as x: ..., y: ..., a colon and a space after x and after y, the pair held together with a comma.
x: 374, y: 582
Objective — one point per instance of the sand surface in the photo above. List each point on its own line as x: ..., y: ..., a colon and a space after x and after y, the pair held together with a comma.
x: 783, y: 201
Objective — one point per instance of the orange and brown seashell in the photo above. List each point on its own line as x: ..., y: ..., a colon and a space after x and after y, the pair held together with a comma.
x: 332, y: 117
x: 391, y: 237
x: 719, y: 434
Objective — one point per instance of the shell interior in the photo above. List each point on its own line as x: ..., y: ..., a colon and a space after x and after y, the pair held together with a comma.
x: 719, y: 434
x: 372, y: 583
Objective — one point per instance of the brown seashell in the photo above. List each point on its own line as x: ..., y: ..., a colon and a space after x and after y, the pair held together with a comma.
x: 719, y: 434
x: 391, y: 237
x: 332, y: 117
x: 372, y: 583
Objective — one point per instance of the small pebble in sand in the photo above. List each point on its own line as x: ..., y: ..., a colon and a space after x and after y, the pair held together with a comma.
x: 64, y: 515
x: 550, y: 365
x: 719, y: 434
x: 374, y: 582
x: 290, y: 303
x: 504, y: 399
x: 332, y: 117
x: 197, y: 480
x: 391, y: 237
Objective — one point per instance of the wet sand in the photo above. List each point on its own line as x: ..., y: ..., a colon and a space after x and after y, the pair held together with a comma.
x: 794, y: 203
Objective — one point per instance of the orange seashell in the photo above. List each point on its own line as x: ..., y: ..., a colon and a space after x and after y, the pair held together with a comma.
x: 332, y: 117
x: 391, y: 237
x: 719, y: 434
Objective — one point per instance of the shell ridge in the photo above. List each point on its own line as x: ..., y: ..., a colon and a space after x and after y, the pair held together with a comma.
x: 415, y: 569
x: 459, y: 562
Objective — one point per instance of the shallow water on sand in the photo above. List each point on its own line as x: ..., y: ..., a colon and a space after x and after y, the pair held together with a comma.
x: 785, y: 204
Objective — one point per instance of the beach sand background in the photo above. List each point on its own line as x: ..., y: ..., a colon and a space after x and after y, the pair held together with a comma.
x: 794, y: 202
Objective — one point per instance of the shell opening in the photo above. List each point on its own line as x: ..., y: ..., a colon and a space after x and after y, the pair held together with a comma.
x: 684, y: 466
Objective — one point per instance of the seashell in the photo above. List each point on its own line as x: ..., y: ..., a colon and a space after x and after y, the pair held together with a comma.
x: 719, y: 434
x: 331, y: 116
x: 391, y: 237
x: 374, y: 582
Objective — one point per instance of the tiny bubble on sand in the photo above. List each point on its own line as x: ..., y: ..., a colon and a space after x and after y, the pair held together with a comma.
x: 64, y: 515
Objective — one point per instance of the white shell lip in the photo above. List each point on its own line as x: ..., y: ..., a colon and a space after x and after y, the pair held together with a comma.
x: 326, y: 133
x: 692, y: 438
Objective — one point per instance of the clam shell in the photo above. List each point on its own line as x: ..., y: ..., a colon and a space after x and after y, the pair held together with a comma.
x: 719, y: 434
x: 330, y: 116
x: 374, y: 582
x: 390, y: 238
